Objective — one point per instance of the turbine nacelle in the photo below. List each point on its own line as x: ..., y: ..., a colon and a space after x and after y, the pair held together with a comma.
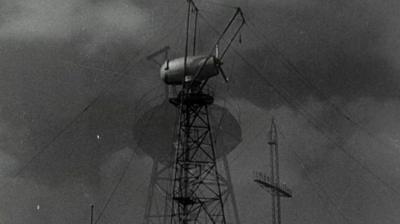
x: 198, y: 69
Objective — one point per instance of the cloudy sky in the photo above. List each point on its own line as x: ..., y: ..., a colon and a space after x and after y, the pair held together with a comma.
x: 74, y: 81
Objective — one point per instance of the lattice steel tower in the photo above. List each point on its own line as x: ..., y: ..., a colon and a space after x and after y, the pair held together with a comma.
x: 198, y: 189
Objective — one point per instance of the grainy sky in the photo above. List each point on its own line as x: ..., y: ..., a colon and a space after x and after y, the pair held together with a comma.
x: 74, y: 81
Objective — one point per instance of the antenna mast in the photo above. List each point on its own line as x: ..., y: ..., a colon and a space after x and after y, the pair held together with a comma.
x: 272, y: 183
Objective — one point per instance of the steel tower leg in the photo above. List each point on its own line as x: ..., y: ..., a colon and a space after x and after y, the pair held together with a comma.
x: 156, y: 213
x: 230, y: 190
x: 152, y: 215
x: 150, y: 192
x: 197, y: 189
x: 156, y: 210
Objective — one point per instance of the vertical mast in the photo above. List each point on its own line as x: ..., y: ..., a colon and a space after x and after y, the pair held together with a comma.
x: 276, y: 199
x: 198, y: 189
x: 272, y: 183
x: 272, y: 145
x: 91, y: 213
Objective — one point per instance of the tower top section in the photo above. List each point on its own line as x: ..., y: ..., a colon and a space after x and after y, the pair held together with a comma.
x: 273, y: 133
x: 192, y: 71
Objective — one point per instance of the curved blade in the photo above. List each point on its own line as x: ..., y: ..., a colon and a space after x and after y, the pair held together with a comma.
x: 223, y: 74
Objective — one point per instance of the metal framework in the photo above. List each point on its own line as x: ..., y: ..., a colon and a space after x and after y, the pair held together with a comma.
x: 158, y: 208
x: 197, y: 193
x: 272, y: 183
x: 198, y: 190
x: 158, y: 204
x: 158, y: 194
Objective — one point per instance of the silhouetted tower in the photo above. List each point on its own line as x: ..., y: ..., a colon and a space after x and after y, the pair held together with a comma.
x: 154, y: 134
x: 198, y: 189
x: 157, y: 126
x: 272, y: 183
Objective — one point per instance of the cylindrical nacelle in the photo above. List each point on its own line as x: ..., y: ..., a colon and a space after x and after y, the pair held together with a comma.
x: 172, y: 72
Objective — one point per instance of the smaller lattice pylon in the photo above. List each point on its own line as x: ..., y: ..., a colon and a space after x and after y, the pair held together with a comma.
x: 272, y: 182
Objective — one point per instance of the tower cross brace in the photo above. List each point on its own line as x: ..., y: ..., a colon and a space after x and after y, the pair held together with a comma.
x: 197, y: 192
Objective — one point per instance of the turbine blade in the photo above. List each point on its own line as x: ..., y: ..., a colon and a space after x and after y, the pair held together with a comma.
x: 223, y: 74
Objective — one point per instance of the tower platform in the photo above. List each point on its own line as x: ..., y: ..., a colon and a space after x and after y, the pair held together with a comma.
x: 192, y: 98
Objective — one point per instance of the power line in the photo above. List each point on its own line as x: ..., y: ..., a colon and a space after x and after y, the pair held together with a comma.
x: 124, y: 172
x: 321, y: 193
x: 309, y: 179
x: 309, y: 117
x: 317, y: 186
x: 351, y: 156
x: 290, y: 66
x: 103, y: 92
x: 314, y: 122
x: 116, y: 186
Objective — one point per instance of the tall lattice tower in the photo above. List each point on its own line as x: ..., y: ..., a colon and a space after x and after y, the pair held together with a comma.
x: 158, y: 124
x: 197, y: 195
x: 160, y: 121
x: 272, y: 182
x: 198, y: 190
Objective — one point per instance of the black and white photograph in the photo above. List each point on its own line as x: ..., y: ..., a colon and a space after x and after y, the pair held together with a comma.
x: 199, y: 112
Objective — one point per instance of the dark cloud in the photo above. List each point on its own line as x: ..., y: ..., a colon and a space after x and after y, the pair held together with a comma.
x: 57, y: 56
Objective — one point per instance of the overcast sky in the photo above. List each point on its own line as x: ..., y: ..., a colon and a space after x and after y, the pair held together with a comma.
x: 74, y: 81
